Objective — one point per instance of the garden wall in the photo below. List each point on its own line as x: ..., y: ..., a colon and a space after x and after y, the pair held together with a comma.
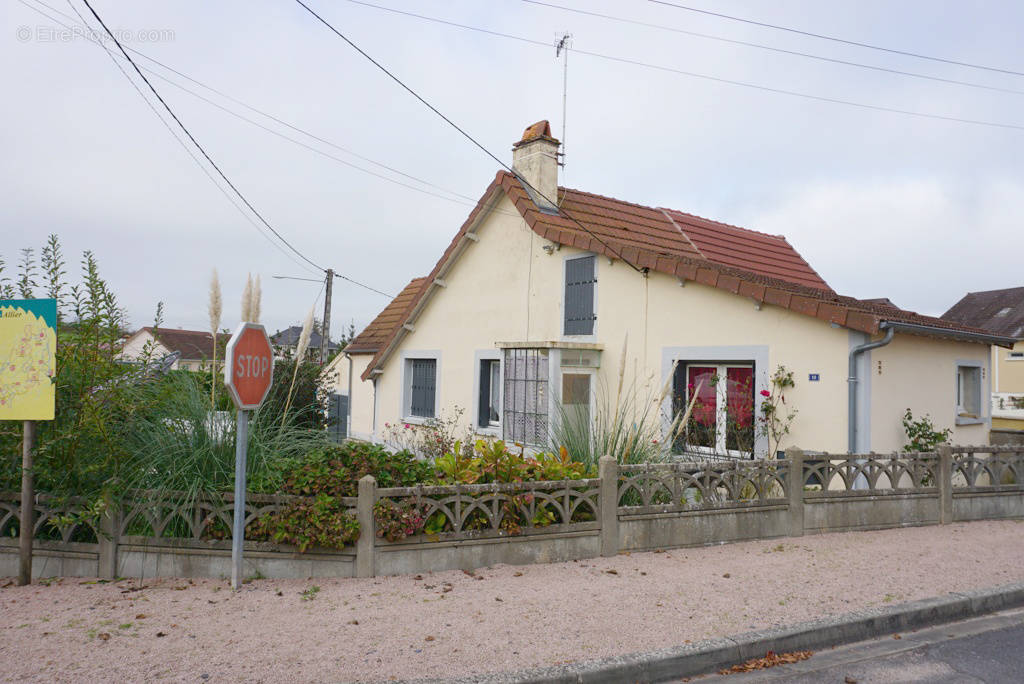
x: 626, y: 508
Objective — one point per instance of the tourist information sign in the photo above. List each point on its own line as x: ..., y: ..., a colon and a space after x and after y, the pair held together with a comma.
x: 28, y: 371
x: 248, y: 375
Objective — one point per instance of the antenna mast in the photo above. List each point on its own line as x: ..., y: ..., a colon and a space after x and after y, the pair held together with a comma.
x: 562, y: 50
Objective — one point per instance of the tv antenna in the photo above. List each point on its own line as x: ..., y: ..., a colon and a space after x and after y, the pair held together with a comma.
x: 562, y: 50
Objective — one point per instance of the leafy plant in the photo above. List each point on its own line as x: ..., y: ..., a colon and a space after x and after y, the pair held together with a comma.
x: 921, y: 433
x: 321, y: 521
x: 432, y: 439
x: 396, y: 521
x: 776, y: 416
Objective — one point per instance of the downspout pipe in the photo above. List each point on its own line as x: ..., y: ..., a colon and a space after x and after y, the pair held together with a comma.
x: 852, y: 381
x: 348, y: 417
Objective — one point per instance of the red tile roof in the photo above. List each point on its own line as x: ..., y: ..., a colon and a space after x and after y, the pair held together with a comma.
x: 763, y: 267
x: 387, y: 321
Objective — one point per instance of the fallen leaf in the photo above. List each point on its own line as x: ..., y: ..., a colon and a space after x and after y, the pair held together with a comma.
x: 417, y: 577
x: 726, y: 575
x: 429, y: 638
x: 142, y: 616
x: 279, y: 593
x: 849, y: 680
x: 161, y: 634
x: 496, y: 598
x: 612, y: 572
x: 514, y: 574
x: 351, y: 622
x: 896, y: 636
x: 770, y: 659
x: 104, y: 636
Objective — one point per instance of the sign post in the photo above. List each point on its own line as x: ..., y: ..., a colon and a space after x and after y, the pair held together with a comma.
x: 248, y: 375
x: 28, y: 348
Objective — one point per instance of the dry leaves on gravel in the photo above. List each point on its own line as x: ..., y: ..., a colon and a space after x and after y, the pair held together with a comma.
x: 770, y: 659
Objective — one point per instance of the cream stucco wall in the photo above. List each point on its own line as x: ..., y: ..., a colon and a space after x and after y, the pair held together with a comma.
x: 361, y: 401
x: 506, y: 288
x: 1008, y: 374
x: 920, y: 373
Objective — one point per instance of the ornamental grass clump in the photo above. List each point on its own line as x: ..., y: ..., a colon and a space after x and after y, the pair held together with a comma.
x: 214, y: 310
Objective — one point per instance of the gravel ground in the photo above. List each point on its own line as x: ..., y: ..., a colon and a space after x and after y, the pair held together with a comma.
x: 500, y: 618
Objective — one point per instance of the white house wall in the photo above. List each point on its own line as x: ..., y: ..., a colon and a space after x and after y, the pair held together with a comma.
x: 919, y: 373
x: 507, y: 288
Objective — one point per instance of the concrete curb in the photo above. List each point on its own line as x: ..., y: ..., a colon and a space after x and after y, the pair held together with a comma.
x: 713, y: 654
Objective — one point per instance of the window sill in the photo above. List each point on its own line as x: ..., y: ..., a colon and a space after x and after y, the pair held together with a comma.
x: 491, y: 431
x: 416, y: 420
x: 969, y: 420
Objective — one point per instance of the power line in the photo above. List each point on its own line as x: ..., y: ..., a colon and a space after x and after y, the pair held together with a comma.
x: 196, y: 142
x: 837, y: 40
x: 707, y: 77
x: 99, y: 40
x: 170, y: 130
x: 784, y: 51
x: 463, y: 199
x: 464, y: 133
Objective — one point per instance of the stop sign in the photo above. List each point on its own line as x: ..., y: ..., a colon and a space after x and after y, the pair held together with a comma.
x: 249, y: 365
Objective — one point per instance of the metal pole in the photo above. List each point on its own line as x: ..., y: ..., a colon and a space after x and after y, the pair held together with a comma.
x: 238, y: 523
x: 325, y: 334
x: 28, y: 509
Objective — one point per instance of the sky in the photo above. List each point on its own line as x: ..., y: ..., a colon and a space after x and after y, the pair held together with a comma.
x: 920, y: 210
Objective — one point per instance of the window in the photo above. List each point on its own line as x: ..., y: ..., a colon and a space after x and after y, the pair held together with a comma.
x: 525, y: 402
x: 968, y: 392
x: 576, y: 398
x: 489, y: 401
x: 722, y: 421
x: 1015, y: 356
x: 421, y: 387
x: 580, y: 280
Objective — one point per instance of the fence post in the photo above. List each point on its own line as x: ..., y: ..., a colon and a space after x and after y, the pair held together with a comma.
x: 945, y: 484
x: 608, y: 471
x: 110, y: 528
x: 364, y: 512
x: 795, y: 487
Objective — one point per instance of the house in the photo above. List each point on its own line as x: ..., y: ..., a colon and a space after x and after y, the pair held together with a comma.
x: 1001, y: 312
x: 195, y: 347
x: 527, y: 311
x: 285, y: 341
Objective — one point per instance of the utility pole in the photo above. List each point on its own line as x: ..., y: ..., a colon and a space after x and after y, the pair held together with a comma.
x: 325, y: 334
x: 562, y: 49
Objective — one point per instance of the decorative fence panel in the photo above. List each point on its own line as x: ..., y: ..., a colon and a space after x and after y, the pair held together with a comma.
x: 632, y: 507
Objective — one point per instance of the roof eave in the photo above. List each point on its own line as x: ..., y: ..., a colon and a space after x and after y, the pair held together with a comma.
x: 961, y: 335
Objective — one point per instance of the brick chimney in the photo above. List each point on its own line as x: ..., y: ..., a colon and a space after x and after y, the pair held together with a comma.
x: 535, y: 161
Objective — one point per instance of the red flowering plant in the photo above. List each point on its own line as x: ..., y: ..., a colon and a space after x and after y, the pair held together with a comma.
x: 776, y: 416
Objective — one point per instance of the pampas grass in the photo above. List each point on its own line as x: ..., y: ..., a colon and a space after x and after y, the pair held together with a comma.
x: 257, y: 300
x: 247, y: 300
x: 214, y: 309
x: 300, y: 353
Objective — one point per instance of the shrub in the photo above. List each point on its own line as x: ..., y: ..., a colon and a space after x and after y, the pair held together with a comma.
x: 321, y: 521
x: 396, y: 521
x: 921, y: 433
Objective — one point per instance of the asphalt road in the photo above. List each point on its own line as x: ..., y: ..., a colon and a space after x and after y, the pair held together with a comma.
x: 988, y: 649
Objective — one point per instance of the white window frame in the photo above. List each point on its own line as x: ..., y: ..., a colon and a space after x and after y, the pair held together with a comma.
x: 493, y: 428
x: 574, y: 370
x: 406, y: 409
x: 961, y: 412
x: 721, y: 406
x: 1013, y: 355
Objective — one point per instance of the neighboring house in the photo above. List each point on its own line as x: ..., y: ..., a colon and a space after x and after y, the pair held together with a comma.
x: 285, y: 342
x: 1000, y: 312
x: 195, y: 347
x: 526, y: 310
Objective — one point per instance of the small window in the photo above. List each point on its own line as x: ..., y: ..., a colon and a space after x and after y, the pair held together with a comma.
x: 489, y: 401
x: 421, y: 377
x: 576, y: 399
x: 1015, y: 355
x: 968, y: 392
x: 580, y: 281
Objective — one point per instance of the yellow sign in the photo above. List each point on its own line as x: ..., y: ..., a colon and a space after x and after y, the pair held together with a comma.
x: 28, y: 358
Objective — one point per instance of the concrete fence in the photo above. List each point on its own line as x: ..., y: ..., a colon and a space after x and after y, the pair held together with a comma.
x: 626, y: 508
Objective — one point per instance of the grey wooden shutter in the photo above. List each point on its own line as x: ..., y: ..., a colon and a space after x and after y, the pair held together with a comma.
x: 424, y: 382
x: 484, y: 400
x: 579, y: 296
